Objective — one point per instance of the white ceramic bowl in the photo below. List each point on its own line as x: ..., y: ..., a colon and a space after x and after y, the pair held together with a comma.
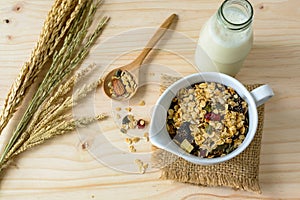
x: 159, y: 135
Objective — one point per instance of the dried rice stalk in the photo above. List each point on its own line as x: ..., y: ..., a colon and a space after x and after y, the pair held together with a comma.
x: 57, y: 98
x: 59, y: 19
x: 43, y: 128
x: 64, y: 62
x: 48, y: 113
x: 27, y: 142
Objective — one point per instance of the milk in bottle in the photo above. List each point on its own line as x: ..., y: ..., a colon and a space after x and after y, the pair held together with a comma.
x: 226, y: 38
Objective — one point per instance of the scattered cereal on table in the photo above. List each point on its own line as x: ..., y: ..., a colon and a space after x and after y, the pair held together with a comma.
x: 142, y: 167
x: 146, y: 136
x: 142, y: 103
x: 85, y: 145
x: 123, y: 130
x: 135, y: 139
x: 128, y: 140
x: 132, y: 148
x: 129, y: 109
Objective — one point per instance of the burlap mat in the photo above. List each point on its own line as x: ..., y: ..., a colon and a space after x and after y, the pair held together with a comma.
x: 240, y: 172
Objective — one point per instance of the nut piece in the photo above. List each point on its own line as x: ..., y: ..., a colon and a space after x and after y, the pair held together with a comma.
x: 118, y: 87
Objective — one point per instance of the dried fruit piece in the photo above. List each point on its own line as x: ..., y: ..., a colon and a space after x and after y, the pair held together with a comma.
x: 85, y: 145
x: 141, y: 124
x: 212, y: 116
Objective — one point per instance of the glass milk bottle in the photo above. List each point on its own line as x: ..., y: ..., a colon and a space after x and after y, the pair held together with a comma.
x: 226, y: 38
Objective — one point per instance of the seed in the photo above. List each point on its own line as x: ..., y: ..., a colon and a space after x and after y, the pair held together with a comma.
x: 146, y: 136
x: 123, y: 130
x: 85, y: 145
x: 118, y: 108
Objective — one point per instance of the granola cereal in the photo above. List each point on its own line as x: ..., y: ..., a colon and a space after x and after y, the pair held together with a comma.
x: 142, y: 103
x: 142, y: 166
x: 122, y: 85
x: 208, y: 119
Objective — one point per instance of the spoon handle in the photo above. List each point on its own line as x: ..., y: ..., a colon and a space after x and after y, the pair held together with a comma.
x: 152, y: 42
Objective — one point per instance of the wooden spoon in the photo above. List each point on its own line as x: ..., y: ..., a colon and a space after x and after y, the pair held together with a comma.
x: 113, y: 83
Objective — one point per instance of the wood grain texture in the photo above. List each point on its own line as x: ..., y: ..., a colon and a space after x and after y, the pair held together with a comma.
x: 61, y: 169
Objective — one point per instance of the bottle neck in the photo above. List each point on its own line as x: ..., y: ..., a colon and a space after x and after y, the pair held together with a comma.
x: 235, y: 15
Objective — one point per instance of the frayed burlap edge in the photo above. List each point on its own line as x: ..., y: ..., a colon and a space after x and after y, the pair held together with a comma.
x: 241, y: 172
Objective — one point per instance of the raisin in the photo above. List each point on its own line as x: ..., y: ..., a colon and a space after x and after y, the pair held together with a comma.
x: 212, y: 116
x: 141, y: 124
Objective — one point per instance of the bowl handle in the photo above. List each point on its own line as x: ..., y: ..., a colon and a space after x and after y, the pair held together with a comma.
x: 262, y: 94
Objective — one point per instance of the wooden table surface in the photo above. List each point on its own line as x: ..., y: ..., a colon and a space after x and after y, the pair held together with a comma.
x: 61, y: 169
